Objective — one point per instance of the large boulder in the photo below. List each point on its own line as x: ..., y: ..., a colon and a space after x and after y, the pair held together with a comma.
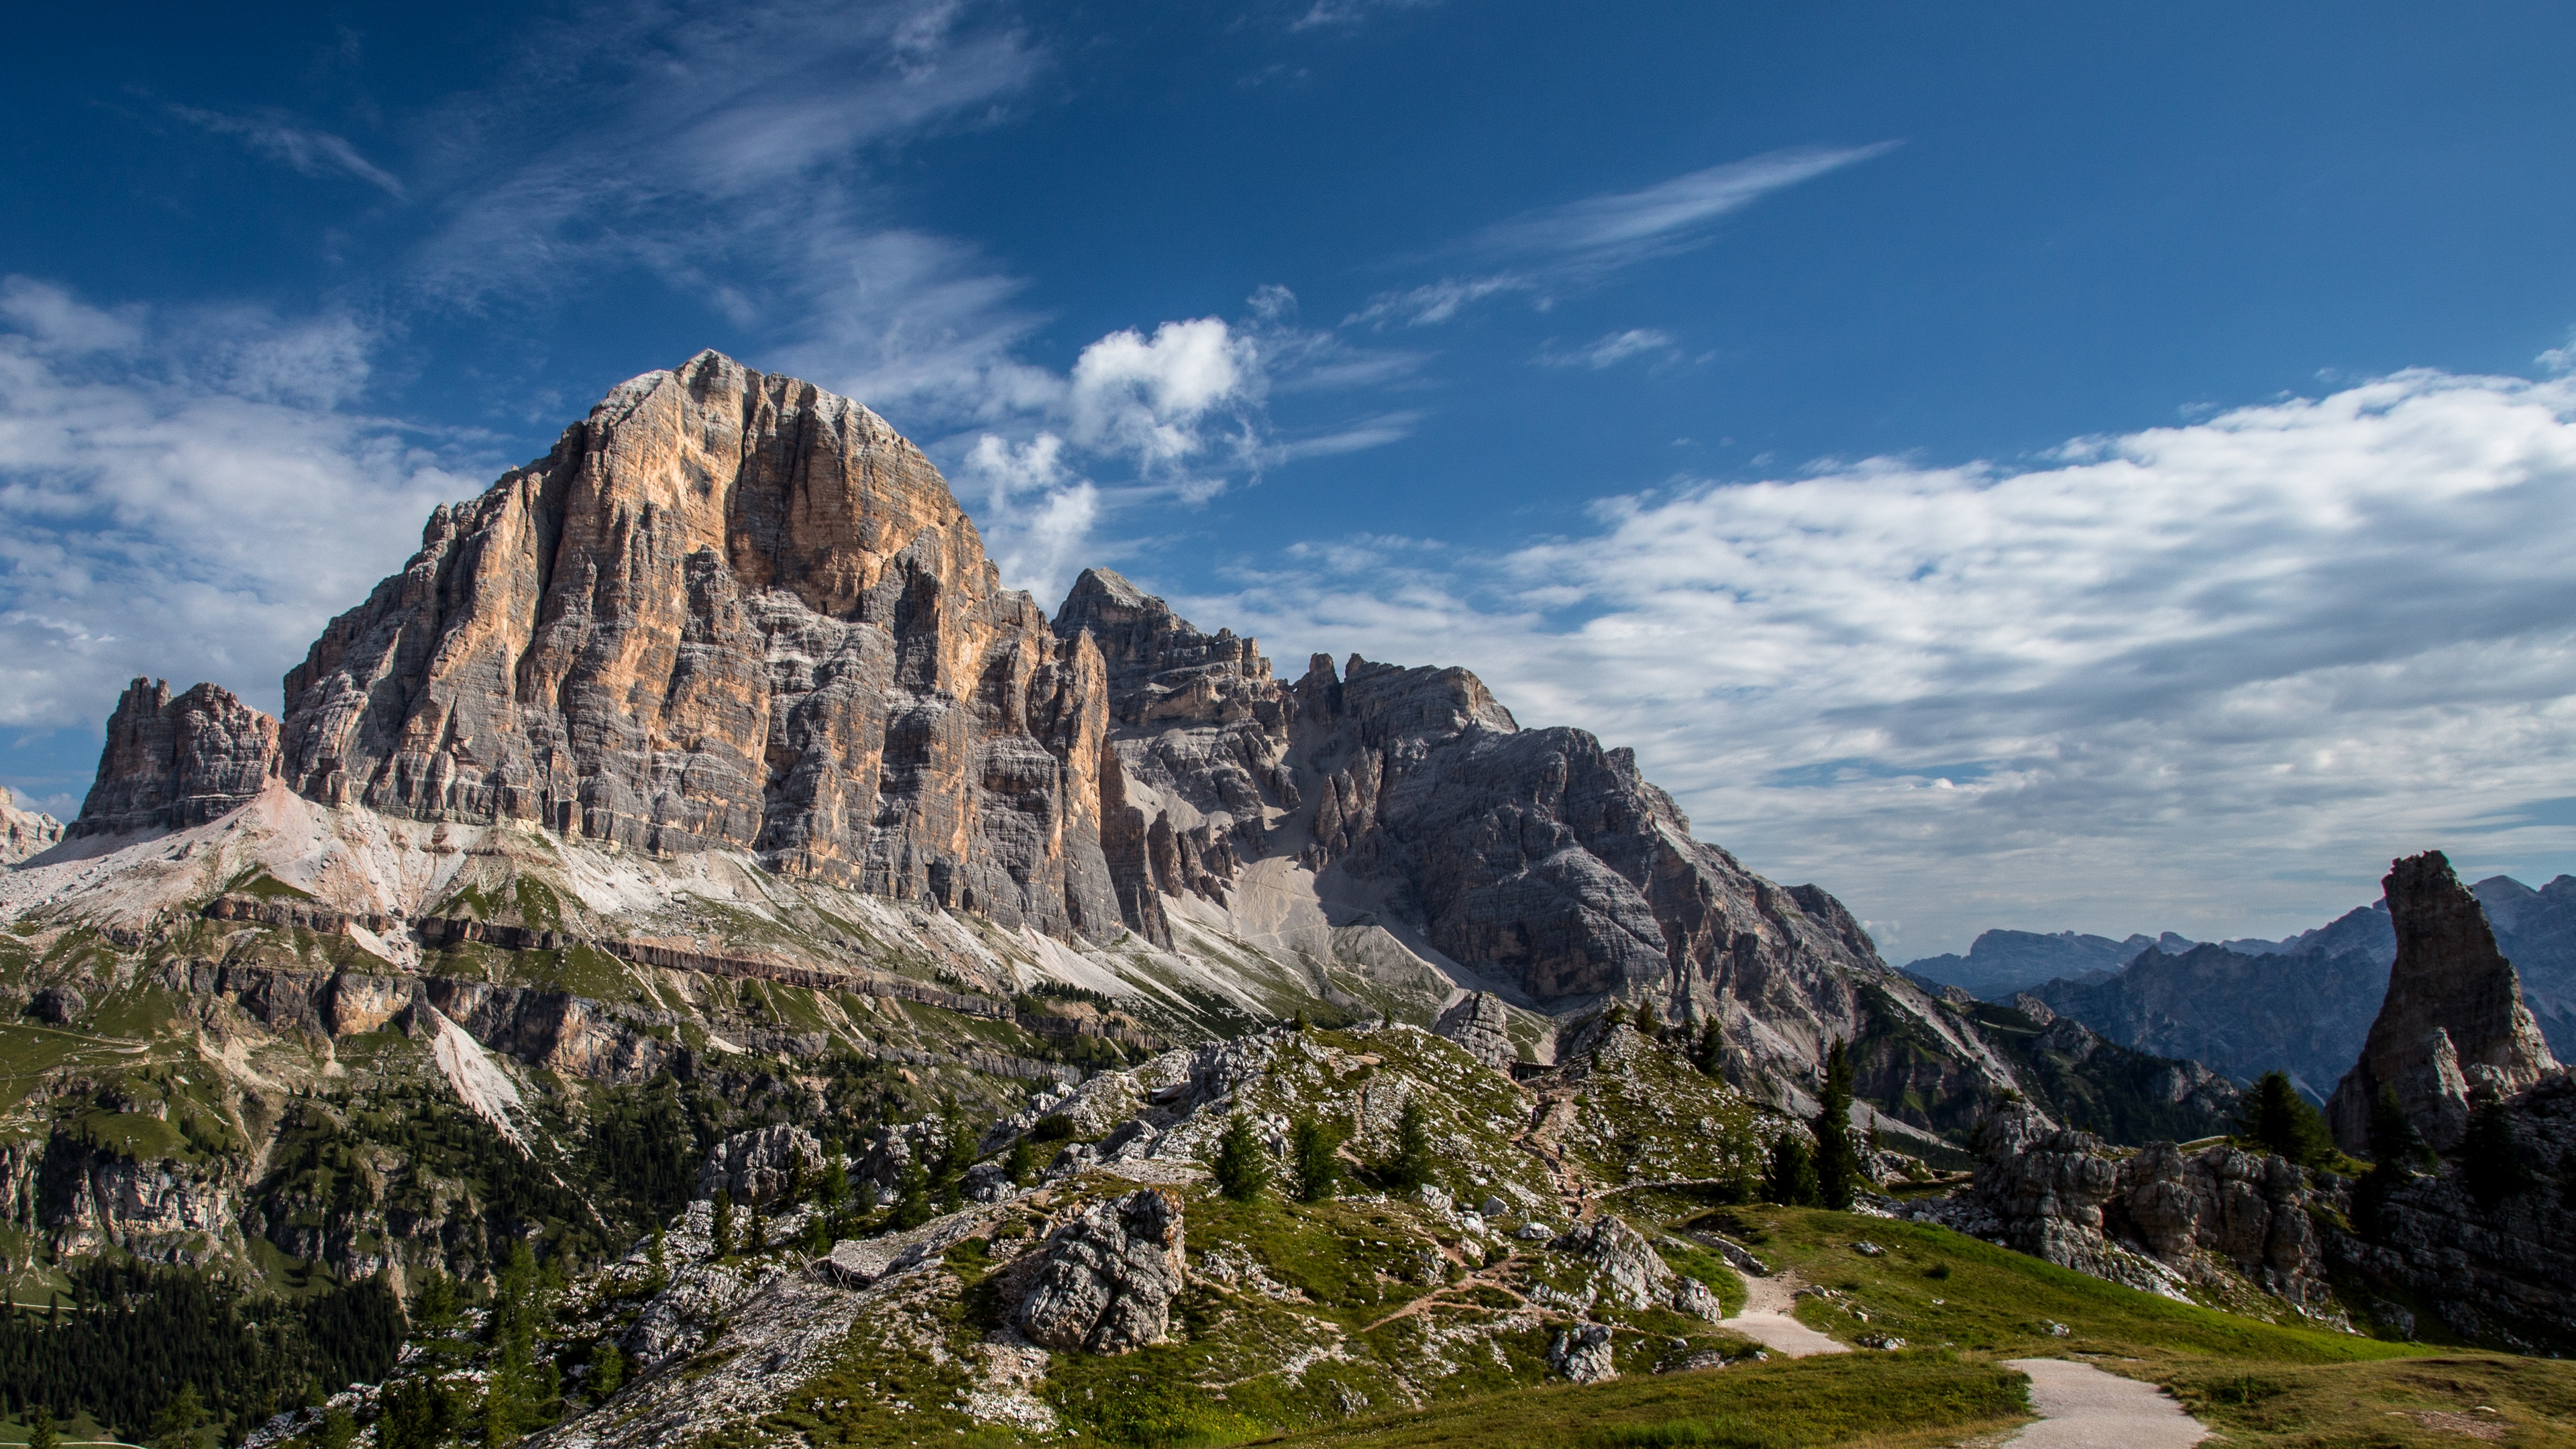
x: 1109, y: 1277
x: 1633, y: 1272
x: 2453, y: 1024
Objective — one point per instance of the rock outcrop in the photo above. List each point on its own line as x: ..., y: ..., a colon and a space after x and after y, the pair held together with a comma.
x: 24, y: 832
x: 175, y: 762
x: 761, y: 1165
x: 2453, y: 1025
x: 2155, y: 1219
x: 1109, y: 1277
x: 1479, y: 1024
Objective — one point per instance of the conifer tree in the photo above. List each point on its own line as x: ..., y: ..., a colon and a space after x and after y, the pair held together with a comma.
x: 339, y: 1429
x: 1647, y: 1022
x: 2491, y: 1165
x: 181, y: 1424
x: 1790, y: 1180
x: 912, y: 1205
x: 1242, y: 1168
x: 1837, y: 1162
x: 40, y: 1429
x: 1022, y: 1166
x: 1412, y: 1164
x: 720, y: 1233
x: 607, y: 1371
x: 1710, y: 1056
x: 836, y: 1183
x: 2394, y: 1142
x: 2277, y: 1119
x: 1313, y: 1145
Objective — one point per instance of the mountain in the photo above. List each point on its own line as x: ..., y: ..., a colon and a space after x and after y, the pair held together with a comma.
x: 24, y: 832
x: 695, y: 810
x: 2001, y: 962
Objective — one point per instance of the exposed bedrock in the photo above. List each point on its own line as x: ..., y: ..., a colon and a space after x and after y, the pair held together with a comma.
x: 2452, y: 1026
x: 174, y: 762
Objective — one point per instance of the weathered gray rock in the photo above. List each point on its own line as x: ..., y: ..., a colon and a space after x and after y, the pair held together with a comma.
x: 1109, y: 1277
x: 2453, y: 1023
x: 1480, y: 1025
x: 1633, y: 1273
x: 24, y: 833
x: 1583, y: 1353
x: 757, y: 1166
x: 171, y: 763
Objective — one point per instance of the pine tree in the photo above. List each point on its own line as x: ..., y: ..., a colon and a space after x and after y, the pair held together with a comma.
x: 2491, y: 1165
x: 1647, y: 1022
x: 912, y: 1205
x: 1710, y: 1057
x: 657, y: 1268
x: 836, y: 1183
x: 1022, y: 1166
x: 1412, y: 1164
x: 720, y: 1235
x: 40, y: 1429
x: 1837, y: 1162
x: 607, y: 1372
x: 339, y: 1429
x: 1313, y: 1145
x: 2394, y: 1143
x: 1299, y: 1023
x: 1791, y: 1180
x: 2278, y: 1120
x: 181, y: 1424
x: 755, y: 1231
x: 1242, y: 1168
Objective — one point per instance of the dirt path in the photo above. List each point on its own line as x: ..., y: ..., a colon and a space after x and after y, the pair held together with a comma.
x: 2081, y: 1407
x: 1766, y: 1318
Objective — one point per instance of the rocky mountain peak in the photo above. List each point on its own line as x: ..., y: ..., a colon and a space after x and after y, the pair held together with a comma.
x: 2453, y: 1024
x: 172, y: 762
x: 24, y: 833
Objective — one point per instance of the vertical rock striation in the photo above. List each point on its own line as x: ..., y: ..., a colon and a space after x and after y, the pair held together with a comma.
x: 175, y: 762
x: 728, y: 610
x: 2453, y: 1024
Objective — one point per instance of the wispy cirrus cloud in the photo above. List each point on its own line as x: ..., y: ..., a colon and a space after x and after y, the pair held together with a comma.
x: 2207, y: 677
x: 1560, y: 247
x: 1608, y: 350
x: 308, y: 152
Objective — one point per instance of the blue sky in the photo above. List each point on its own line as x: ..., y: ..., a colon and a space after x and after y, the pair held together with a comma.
x: 2048, y: 467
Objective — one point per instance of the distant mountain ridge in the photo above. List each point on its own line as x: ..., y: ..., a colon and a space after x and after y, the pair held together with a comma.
x: 2301, y: 1005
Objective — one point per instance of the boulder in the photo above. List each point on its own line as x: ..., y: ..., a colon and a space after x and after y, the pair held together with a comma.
x: 58, y: 1004
x: 1634, y: 1272
x: 1108, y: 1279
x: 1583, y: 1353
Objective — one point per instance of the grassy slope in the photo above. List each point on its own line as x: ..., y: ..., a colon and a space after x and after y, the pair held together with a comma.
x: 2257, y: 1383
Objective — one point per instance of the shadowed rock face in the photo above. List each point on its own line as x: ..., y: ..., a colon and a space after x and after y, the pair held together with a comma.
x: 2453, y: 1023
x: 171, y: 763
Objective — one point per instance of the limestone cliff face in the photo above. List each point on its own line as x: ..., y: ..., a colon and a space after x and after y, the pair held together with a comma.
x: 24, y: 832
x: 2453, y: 1023
x: 728, y: 610
x: 1536, y: 857
x: 172, y: 763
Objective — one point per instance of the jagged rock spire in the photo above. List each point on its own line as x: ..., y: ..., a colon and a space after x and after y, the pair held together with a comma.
x: 2453, y: 1023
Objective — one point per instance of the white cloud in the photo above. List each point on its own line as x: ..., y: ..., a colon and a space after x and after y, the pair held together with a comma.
x: 1149, y: 397
x: 308, y: 152
x: 1669, y: 216
x: 1607, y: 351
x: 2207, y: 678
x: 1543, y: 252
x: 177, y: 499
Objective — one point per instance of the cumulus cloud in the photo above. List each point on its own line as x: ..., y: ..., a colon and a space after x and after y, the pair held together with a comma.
x: 178, y: 497
x: 305, y: 151
x: 1150, y: 396
x: 2207, y: 678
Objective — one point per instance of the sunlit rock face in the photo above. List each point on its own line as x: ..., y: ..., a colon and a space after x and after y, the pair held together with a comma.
x: 728, y: 610
x: 2453, y: 1025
